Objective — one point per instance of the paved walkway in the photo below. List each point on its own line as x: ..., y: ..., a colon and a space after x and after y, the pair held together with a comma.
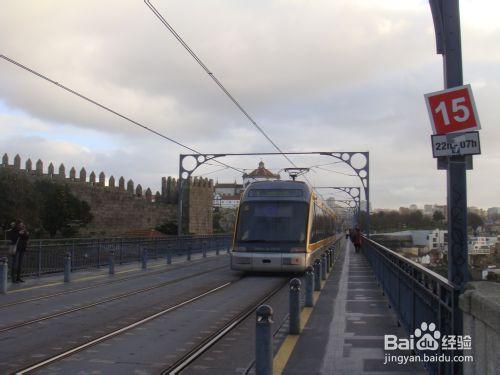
x: 345, y: 332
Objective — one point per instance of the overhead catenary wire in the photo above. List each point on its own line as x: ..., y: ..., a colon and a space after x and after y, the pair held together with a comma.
x: 108, y: 109
x: 329, y: 170
x: 214, y: 78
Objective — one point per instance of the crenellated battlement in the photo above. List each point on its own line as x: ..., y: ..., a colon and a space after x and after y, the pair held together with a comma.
x: 169, y: 185
x: 119, y: 205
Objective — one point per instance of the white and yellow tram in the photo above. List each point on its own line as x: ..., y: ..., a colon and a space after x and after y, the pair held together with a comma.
x: 281, y: 226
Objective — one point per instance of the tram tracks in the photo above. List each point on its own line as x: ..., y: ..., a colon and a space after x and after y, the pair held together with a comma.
x: 106, y: 300
x: 183, y: 361
x: 106, y: 282
x: 211, y: 340
x: 119, y: 331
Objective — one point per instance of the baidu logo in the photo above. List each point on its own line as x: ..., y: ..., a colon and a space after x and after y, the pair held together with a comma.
x: 431, y: 345
x: 427, y: 336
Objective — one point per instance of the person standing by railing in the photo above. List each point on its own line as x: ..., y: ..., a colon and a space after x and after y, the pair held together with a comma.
x: 18, y: 237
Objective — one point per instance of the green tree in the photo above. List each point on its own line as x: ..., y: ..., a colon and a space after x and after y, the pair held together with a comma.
x: 18, y: 200
x: 168, y: 227
x: 438, y: 216
x: 474, y: 221
x: 60, y: 210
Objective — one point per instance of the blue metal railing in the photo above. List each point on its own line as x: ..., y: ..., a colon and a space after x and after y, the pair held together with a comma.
x: 47, y: 256
x: 417, y: 295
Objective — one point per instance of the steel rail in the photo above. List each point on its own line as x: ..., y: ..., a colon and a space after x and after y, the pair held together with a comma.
x: 105, y: 300
x: 212, y: 339
x: 118, y: 331
x: 182, y: 265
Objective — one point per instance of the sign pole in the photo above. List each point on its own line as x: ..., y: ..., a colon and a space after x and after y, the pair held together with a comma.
x: 446, y: 16
x: 456, y: 169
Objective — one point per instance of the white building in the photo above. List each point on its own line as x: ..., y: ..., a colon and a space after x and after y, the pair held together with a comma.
x: 228, y: 188
x: 481, y: 245
x: 226, y: 201
x: 437, y: 239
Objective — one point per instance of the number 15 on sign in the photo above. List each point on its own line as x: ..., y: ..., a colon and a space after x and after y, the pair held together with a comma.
x: 452, y: 110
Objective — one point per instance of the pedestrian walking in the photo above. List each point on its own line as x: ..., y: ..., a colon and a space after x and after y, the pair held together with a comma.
x: 18, y: 237
x: 357, y: 239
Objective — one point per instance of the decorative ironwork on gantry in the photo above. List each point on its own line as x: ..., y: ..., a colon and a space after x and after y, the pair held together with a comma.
x: 358, y: 161
x: 354, y: 192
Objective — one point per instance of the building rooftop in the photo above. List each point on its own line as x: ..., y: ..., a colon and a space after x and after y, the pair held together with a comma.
x: 261, y: 172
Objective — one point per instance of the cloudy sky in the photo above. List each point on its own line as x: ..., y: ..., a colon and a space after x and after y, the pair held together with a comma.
x: 323, y: 75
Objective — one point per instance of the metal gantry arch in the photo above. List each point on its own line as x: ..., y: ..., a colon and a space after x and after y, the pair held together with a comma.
x: 354, y: 192
x: 358, y: 161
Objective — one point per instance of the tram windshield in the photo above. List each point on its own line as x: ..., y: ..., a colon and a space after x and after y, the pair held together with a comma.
x: 272, y: 222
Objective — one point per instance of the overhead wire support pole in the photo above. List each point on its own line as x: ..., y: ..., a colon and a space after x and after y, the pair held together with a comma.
x: 446, y: 17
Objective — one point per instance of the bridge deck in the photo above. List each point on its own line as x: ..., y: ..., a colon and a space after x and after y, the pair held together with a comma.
x: 345, y: 332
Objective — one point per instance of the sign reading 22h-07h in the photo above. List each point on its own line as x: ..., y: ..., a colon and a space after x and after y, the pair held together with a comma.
x: 452, y: 110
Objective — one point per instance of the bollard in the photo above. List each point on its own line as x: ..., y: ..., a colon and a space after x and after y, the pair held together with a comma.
x: 189, y: 252
x: 317, y: 275
x: 228, y: 248
x: 264, y: 341
x: 327, y: 252
x: 332, y: 252
x: 4, y: 269
x: 294, y: 306
x: 144, y: 259
x: 323, y: 266
x: 217, y: 250
x: 309, y: 287
x: 169, y: 256
x: 111, y: 262
x: 204, y: 249
x: 67, y: 268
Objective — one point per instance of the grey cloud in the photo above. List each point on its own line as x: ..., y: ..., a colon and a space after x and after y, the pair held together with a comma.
x: 317, y: 75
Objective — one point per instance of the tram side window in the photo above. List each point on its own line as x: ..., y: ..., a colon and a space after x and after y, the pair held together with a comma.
x: 316, y: 228
x: 322, y: 225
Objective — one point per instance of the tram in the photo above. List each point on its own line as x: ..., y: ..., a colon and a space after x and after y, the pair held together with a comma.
x: 282, y: 226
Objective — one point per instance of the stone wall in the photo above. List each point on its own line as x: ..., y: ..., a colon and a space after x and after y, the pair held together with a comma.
x: 199, y: 214
x: 480, y: 304
x: 118, y: 206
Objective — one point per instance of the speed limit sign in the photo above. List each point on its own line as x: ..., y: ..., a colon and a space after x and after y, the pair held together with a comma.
x: 452, y: 110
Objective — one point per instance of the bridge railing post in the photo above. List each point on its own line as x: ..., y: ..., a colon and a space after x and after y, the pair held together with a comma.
x: 294, y: 306
x: 169, y: 254
x: 4, y: 269
x: 111, y: 262
x: 323, y: 266
x: 144, y: 259
x: 264, y: 341
x: 309, y: 299
x: 67, y: 268
x: 328, y: 256
x: 317, y: 275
